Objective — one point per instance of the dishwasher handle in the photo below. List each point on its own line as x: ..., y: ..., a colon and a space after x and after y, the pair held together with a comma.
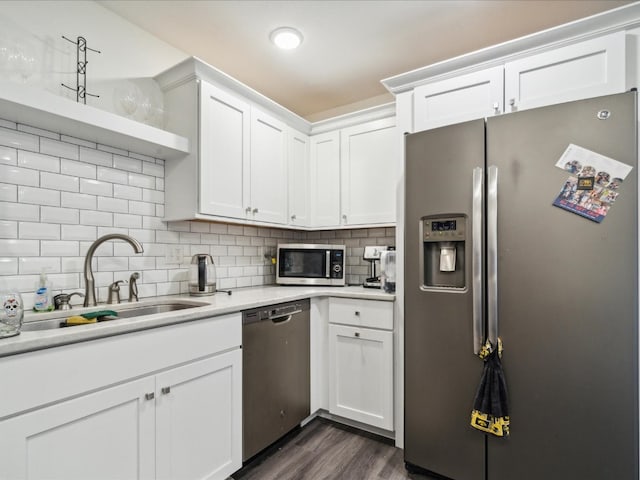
x: 284, y: 317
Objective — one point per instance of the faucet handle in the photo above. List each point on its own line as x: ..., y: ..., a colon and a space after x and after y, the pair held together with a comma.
x: 133, y: 286
x: 61, y: 301
x: 114, y: 292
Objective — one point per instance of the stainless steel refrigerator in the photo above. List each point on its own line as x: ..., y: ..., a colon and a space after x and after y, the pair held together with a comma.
x: 488, y: 254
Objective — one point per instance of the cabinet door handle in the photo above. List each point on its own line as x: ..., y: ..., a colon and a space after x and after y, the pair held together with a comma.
x: 293, y: 217
x: 247, y: 210
x: 512, y: 102
x: 165, y: 390
x: 357, y: 334
x: 344, y: 217
x: 149, y: 396
x: 357, y: 313
x: 496, y: 107
x: 255, y: 210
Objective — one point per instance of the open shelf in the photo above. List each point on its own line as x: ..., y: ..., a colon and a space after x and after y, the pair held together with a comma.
x: 41, y: 109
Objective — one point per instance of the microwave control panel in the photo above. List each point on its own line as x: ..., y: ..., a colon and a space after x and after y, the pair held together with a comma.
x: 336, y: 262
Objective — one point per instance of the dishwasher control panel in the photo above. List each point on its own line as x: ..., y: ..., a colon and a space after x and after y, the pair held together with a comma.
x: 274, y: 312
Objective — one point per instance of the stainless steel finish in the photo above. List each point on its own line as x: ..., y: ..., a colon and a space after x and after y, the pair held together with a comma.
x: 133, y: 287
x: 327, y: 256
x: 326, y: 280
x: 476, y: 259
x: 62, y: 300
x: 149, y: 396
x: 568, y: 298
x: 89, y: 281
x: 492, y: 254
x: 114, y: 292
x: 275, y: 372
x: 202, y: 275
x: 567, y: 301
x: 165, y: 390
x: 123, y: 312
x: 441, y: 371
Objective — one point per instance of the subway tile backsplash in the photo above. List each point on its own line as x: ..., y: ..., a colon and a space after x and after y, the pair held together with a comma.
x: 59, y: 193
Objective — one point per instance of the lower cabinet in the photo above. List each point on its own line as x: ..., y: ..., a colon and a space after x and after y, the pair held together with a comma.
x: 103, y: 435
x: 184, y: 423
x: 361, y: 363
x: 199, y: 419
x: 164, y: 403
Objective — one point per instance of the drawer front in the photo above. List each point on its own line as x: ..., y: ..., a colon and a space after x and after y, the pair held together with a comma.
x: 361, y: 313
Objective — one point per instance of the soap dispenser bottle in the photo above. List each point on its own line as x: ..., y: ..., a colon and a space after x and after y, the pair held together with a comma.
x: 42, y: 301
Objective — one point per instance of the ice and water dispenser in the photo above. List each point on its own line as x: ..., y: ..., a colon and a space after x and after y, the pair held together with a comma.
x: 443, y: 251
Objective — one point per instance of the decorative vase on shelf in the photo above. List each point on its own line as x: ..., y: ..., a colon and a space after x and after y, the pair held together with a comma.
x: 11, y: 314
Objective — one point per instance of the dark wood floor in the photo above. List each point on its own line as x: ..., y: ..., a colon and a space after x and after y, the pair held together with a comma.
x: 324, y: 450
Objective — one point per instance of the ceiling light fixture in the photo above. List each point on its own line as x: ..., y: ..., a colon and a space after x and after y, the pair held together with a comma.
x: 286, y: 38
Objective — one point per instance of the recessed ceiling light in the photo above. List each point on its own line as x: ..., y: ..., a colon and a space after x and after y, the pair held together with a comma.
x: 286, y: 38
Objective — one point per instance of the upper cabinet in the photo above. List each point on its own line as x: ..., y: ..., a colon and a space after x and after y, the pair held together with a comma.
x: 299, y: 179
x: 325, y: 179
x: 369, y: 172
x: 587, y: 69
x: 465, y: 97
x: 505, y: 79
x: 254, y: 162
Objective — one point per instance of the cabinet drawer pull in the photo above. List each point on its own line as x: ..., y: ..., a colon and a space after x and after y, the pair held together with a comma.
x: 357, y: 313
x: 357, y: 334
x: 165, y: 390
x: 149, y: 396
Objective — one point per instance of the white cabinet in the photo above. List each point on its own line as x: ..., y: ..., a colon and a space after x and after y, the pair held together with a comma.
x: 361, y: 361
x: 268, y: 169
x: 199, y: 421
x: 224, y: 163
x: 238, y: 163
x: 464, y: 97
x: 107, y: 434
x: 298, y: 174
x: 163, y: 403
x: 369, y: 169
x: 325, y: 179
x: 242, y: 159
x: 587, y: 69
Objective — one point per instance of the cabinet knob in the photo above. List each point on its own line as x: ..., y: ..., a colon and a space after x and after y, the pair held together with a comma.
x: 165, y: 390
x: 357, y: 334
x: 293, y: 217
x: 496, y: 107
x: 357, y: 313
x: 255, y: 210
x: 344, y: 217
x: 282, y: 414
x: 512, y: 101
x: 247, y: 210
x: 149, y: 396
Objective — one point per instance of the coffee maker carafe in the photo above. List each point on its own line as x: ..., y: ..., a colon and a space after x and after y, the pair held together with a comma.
x: 202, y: 275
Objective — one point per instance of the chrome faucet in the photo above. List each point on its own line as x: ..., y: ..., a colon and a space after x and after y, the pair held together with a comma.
x: 89, y: 281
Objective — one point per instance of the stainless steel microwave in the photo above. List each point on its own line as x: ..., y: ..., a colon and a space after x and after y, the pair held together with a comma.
x: 310, y: 264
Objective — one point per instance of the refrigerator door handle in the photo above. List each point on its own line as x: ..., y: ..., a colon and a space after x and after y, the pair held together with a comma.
x: 476, y: 258
x: 492, y: 254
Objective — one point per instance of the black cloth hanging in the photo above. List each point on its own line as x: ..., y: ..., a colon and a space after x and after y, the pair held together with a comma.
x: 491, y: 408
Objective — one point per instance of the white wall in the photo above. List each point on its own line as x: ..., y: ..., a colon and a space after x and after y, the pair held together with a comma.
x: 36, y: 28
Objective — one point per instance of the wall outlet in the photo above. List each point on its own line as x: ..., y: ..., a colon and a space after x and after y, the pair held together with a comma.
x: 174, y: 254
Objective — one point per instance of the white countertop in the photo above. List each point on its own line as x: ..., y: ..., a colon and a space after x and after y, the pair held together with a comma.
x: 218, y: 304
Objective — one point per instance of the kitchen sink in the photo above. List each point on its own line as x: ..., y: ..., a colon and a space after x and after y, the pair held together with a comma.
x: 125, y: 311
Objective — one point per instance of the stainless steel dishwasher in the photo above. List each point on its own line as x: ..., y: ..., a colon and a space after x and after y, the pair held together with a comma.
x: 275, y: 373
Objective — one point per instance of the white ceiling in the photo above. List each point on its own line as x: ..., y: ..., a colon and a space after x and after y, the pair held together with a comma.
x: 348, y: 47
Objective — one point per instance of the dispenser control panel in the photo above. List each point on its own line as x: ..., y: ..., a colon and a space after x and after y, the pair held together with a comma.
x: 444, y: 229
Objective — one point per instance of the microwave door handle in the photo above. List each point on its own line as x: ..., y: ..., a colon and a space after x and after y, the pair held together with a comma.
x: 327, y: 266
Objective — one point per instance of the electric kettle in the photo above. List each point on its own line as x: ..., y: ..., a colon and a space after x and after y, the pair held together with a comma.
x: 202, y: 275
